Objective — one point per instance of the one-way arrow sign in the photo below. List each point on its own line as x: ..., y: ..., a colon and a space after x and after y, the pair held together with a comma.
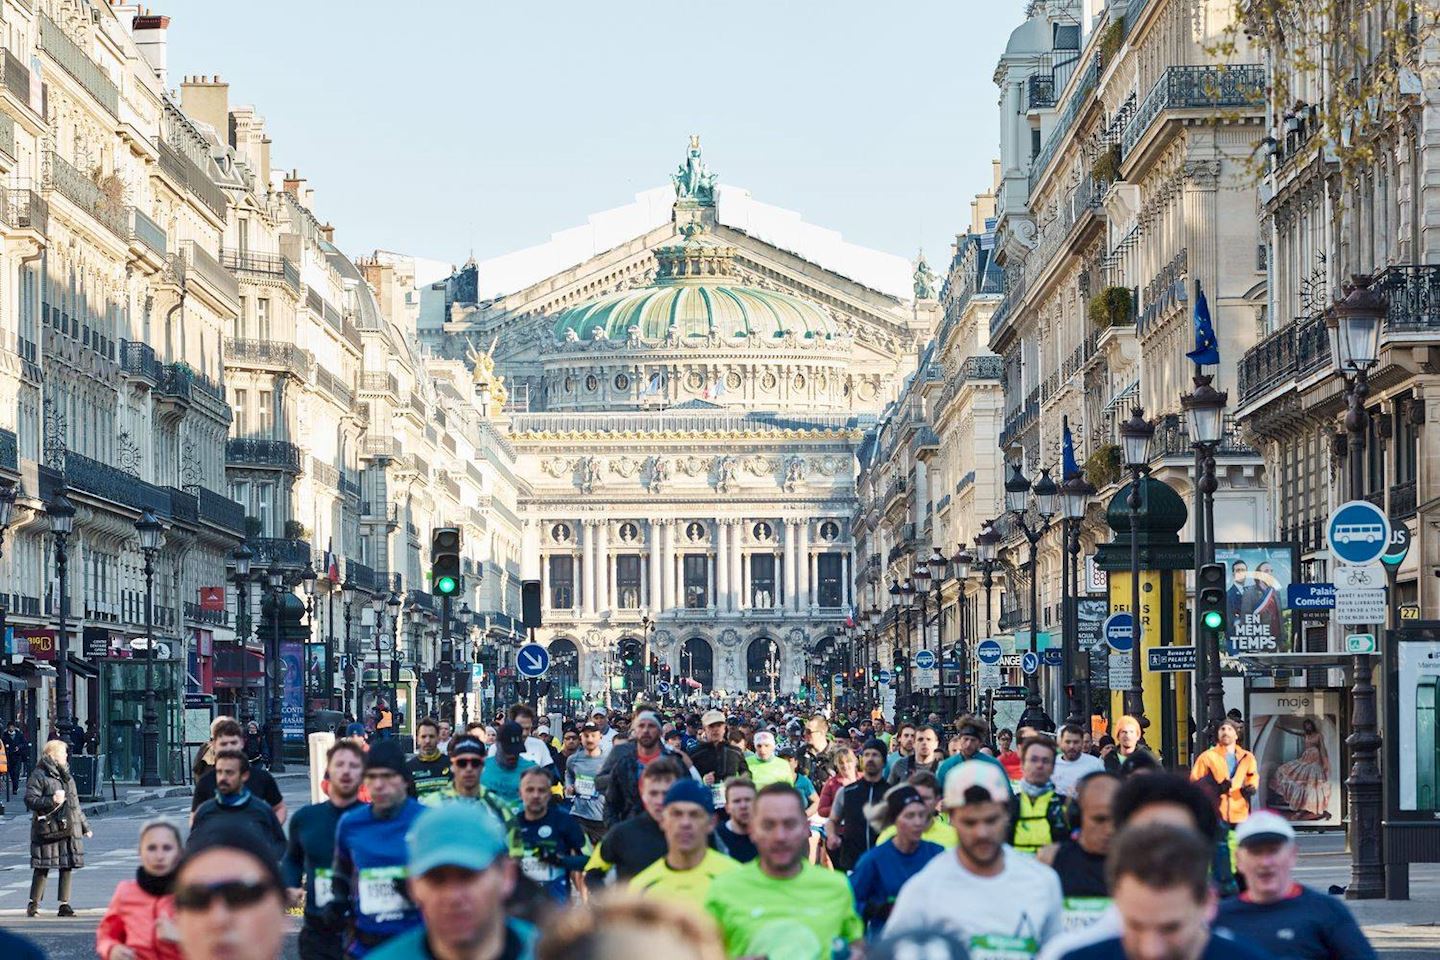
x: 532, y: 660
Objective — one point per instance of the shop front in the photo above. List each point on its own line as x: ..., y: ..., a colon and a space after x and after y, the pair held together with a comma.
x: 123, y: 687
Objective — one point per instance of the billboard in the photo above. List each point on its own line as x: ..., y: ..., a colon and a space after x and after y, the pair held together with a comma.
x: 1417, y: 666
x: 1258, y: 577
x: 292, y: 689
x: 1295, y: 736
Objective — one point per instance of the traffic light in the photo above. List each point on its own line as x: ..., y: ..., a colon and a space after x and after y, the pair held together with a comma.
x: 629, y: 653
x: 445, y: 561
x: 1210, y: 600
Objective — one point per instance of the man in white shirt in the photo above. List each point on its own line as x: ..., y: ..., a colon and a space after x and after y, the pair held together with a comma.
x: 601, y: 719
x: 536, y: 750
x: 1073, y: 764
x: 989, y: 896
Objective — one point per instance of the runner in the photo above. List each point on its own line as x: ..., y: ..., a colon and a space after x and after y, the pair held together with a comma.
x: 533, y: 748
x: 900, y: 746
x: 971, y: 733
x: 847, y: 771
x: 716, y: 759
x: 310, y: 856
x: 766, y: 767
x: 467, y: 758
x: 459, y: 879
x: 817, y: 760
x: 139, y: 923
x: 939, y: 831
x: 1009, y: 759
x: 881, y: 872
x: 926, y: 756
x: 633, y: 844
x: 229, y: 900
x: 1073, y: 763
x: 1160, y: 880
x: 581, y: 769
x: 1128, y: 754
x: 619, y: 777
x: 1229, y: 773
x: 370, y: 854
x: 1080, y: 862
x: 780, y: 905
x: 549, y: 843
x: 848, y: 833
x: 689, y: 864
x: 1002, y: 904
x: 501, y: 772
x: 732, y: 836
x: 234, y: 803
x: 429, y: 768
x: 229, y: 735
x: 1276, y: 913
x: 1037, y: 812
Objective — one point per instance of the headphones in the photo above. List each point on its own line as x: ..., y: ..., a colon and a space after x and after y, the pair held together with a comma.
x: 1072, y: 802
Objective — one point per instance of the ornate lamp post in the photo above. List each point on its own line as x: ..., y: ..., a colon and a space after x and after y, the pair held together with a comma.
x: 466, y: 619
x: 347, y: 600
x: 242, y: 557
x: 1135, y: 435
x: 61, y: 513
x: 377, y: 603
x: 395, y: 602
x: 960, y: 567
x: 987, y: 550
x: 307, y: 584
x: 1075, y: 494
x: 871, y: 655
x: 1205, y: 408
x: 1046, y: 504
x: 275, y: 669
x: 1354, y: 326
x: 151, y: 531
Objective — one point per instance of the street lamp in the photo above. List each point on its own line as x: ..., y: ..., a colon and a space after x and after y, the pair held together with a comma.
x: 960, y: 566
x: 151, y: 531
x: 61, y: 513
x: 394, y: 602
x: 242, y: 557
x: 1205, y: 409
x: 1135, y: 435
x: 377, y: 603
x: 1354, y: 325
x: 307, y: 584
x: 1075, y: 494
x: 1019, y: 489
x: 275, y: 577
x: 347, y: 600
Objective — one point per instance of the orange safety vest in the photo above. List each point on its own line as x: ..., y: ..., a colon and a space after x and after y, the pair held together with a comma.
x: 1234, y: 808
x: 385, y: 720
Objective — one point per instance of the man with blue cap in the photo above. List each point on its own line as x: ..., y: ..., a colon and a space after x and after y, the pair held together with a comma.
x: 460, y: 877
x: 689, y: 864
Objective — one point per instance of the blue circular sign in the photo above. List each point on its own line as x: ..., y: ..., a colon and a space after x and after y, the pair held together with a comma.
x: 883, y: 678
x: 924, y: 660
x: 1358, y: 532
x: 532, y: 660
x: 989, y: 652
x: 662, y: 687
x: 1030, y: 662
x: 1119, y: 632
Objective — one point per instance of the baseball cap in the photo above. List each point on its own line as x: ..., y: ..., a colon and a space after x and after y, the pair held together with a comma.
x: 589, y: 726
x: 510, y: 738
x: 468, y: 746
x: 464, y: 835
x: 690, y: 791
x: 599, y: 712
x: 976, y: 775
x: 712, y: 717
x: 1264, y: 826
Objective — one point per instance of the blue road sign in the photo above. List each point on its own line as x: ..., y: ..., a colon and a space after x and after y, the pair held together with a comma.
x: 924, y: 660
x: 989, y: 652
x: 662, y: 687
x: 1053, y: 657
x: 1358, y: 532
x: 1030, y: 662
x: 1119, y: 630
x: 532, y: 660
x: 883, y: 678
x: 1310, y: 596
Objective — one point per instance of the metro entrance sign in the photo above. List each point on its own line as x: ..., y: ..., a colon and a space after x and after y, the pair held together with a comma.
x: 1358, y: 532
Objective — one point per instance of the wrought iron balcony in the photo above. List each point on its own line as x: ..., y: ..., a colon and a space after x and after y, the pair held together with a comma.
x: 1402, y: 500
x: 268, y: 353
x: 113, y: 484
x: 981, y: 368
x: 362, y: 575
x: 147, y: 231
x: 254, y: 452
x: 1294, y: 350
x: 1196, y: 87
x: 181, y: 381
x: 197, y: 614
x: 289, y: 553
x: 137, y: 360
x: 7, y: 134
x: 381, y: 447
x: 9, y: 451
x: 201, y: 263
x: 1412, y: 297
x: 334, y: 386
x: 379, y: 382
x: 1040, y: 91
x: 220, y: 511
x: 420, y: 600
x: 29, y: 211
x: 271, y: 266
x: 75, y: 62
x: 184, y: 171
x: 1172, y: 439
x: 15, y: 75
x: 107, y: 210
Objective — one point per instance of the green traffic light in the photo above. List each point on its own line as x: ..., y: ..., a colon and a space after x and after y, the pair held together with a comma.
x: 1213, y: 619
x: 445, y: 586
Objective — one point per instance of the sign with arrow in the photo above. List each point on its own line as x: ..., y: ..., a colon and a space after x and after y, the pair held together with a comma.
x: 1030, y: 662
x: 532, y: 660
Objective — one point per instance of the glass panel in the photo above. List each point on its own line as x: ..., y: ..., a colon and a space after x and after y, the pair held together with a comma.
x: 124, y: 706
x: 697, y: 581
x: 762, y: 580
x: 627, y: 580
x: 562, y: 579
x: 830, y: 570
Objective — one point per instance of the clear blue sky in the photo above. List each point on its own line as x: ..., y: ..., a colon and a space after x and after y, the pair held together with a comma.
x: 434, y: 128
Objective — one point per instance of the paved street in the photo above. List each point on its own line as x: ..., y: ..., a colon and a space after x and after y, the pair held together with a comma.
x: 1400, y: 930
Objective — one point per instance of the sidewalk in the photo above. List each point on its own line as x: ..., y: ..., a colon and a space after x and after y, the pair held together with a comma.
x: 1408, y: 924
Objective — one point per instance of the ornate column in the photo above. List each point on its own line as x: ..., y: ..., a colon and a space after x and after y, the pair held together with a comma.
x: 722, y: 563
x: 667, y: 564
x: 792, y: 580
x: 656, y: 600
x: 544, y: 582
x: 803, y: 547
x: 737, y: 576
x: 587, y: 574
x: 604, y: 575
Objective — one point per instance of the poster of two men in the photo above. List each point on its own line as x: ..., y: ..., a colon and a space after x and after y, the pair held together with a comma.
x: 1258, y: 577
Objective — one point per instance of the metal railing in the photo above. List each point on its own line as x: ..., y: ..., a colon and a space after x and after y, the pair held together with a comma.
x: 1292, y: 351
x: 378, y: 382
x: 28, y: 210
x: 325, y: 473
x: 7, y: 134
x: 75, y: 62
x: 138, y: 360
x: 86, y: 194
x: 220, y: 510
x: 273, y: 353
x: 334, y: 386
x: 180, y: 168
x: 1058, y: 133
x: 1221, y: 85
x: 9, y: 450
x: 1412, y: 297
x: 15, y: 75
x: 181, y: 381
x: 199, y: 261
x: 255, y: 452
x: 380, y: 447
x: 197, y: 614
x: 271, y: 265
x: 1402, y: 500
x: 288, y: 552
x: 1172, y: 439
x: 147, y: 231
x: 113, y: 484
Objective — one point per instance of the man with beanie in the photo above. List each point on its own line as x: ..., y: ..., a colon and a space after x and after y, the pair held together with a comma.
x: 369, y: 867
x: 689, y: 864
x: 848, y: 832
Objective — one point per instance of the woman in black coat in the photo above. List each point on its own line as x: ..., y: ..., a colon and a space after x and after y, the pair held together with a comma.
x: 57, y: 827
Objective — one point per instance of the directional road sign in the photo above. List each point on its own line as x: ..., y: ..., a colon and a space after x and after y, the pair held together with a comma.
x: 1358, y: 532
x: 532, y: 660
x: 1119, y: 631
x: 1171, y: 659
x: 883, y: 678
x: 662, y: 687
x: 1030, y: 662
x: 989, y: 652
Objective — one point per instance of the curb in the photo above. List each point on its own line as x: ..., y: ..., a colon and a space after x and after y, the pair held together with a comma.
x: 105, y: 806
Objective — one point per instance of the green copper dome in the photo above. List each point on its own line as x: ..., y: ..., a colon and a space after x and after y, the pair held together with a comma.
x: 695, y: 291
x: 1161, y: 515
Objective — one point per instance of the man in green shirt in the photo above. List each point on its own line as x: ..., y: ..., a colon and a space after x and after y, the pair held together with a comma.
x: 779, y: 904
x: 767, y: 768
x: 689, y: 864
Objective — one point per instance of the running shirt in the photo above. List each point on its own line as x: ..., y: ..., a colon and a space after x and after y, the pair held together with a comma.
x: 1307, y: 925
x: 505, y: 783
x: 1069, y: 773
x: 738, y: 846
x: 428, y: 774
x: 548, y: 850
x: 806, y: 915
x: 310, y: 857
x: 370, y: 873
x: 491, y: 801
x: 580, y: 773
x: 775, y: 770
x: 687, y: 886
x: 880, y: 874
x: 939, y: 832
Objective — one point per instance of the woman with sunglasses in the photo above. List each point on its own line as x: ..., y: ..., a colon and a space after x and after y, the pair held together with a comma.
x: 139, y: 924
x: 57, y: 827
x: 229, y: 900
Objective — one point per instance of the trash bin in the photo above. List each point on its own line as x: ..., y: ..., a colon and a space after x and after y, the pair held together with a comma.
x: 323, y: 721
x: 86, y: 771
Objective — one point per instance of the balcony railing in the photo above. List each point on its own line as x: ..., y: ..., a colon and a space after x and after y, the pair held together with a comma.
x: 201, y: 262
x: 220, y: 511
x: 197, y: 614
x: 181, y: 381
x: 1292, y: 351
x: 380, y: 447
x: 147, y: 231
x: 378, y: 382
x: 254, y: 452
x: 1402, y: 500
x: 7, y: 134
x: 138, y: 360
x: 1058, y: 133
x: 75, y: 62
x: 180, y: 168
x: 334, y: 386
x: 79, y: 189
x: 1223, y: 85
x: 29, y: 211
x: 1412, y: 296
x: 9, y: 450
x: 16, y: 77
x: 363, y: 575
x: 349, y: 486
x: 270, y: 265
x: 270, y: 353
x: 1172, y: 439
x: 283, y: 550
x: 111, y: 483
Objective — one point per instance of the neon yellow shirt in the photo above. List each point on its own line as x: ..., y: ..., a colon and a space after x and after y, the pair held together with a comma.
x: 774, y: 770
x: 686, y: 886
x: 939, y: 832
x: 801, y: 916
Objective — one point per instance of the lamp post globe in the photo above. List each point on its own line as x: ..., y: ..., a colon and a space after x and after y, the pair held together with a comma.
x: 1135, y: 435
x: 1205, y: 410
x: 1017, y: 489
x: 1047, y: 495
x: 1354, y: 327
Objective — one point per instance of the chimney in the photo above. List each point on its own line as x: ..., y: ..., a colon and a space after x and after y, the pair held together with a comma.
x: 265, y: 161
x: 328, y: 232
x: 207, y: 99
x: 149, y: 33
x: 294, y: 184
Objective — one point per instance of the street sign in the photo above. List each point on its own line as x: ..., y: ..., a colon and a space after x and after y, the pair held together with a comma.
x: 1121, y: 666
x: 1358, y: 532
x: 1054, y: 657
x: 1013, y: 661
x: 1394, y: 554
x: 1171, y: 659
x: 532, y: 660
x: 1310, y: 596
x: 1120, y: 631
x: 1358, y: 608
x: 1361, y: 643
x: 662, y: 687
x: 883, y: 678
x: 1409, y: 611
x: 924, y: 660
x: 1011, y: 693
x: 1030, y: 662
x: 1366, y: 576
x: 989, y: 652
x: 926, y: 675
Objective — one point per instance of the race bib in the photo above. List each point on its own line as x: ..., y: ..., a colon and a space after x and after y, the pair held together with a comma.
x: 380, y: 896
x: 1080, y: 912
x: 995, y: 947
x: 536, y: 869
x: 324, y: 887
x: 717, y: 792
x: 584, y: 786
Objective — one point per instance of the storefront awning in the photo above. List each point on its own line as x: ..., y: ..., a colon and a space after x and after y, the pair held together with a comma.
x: 12, y: 684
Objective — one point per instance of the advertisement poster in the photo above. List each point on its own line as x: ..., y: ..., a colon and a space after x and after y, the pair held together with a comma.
x: 292, y: 703
x: 315, y: 668
x: 1257, y: 578
x: 1090, y: 619
x: 1418, y: 672
x: 1295, y: 735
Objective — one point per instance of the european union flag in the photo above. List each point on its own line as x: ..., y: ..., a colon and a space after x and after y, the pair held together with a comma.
x: 1207, y: 347
x: 1069, y: 466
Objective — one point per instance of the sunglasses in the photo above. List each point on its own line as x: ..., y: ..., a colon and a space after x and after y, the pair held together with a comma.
x: 466, y: 763
x: 233, y: 893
